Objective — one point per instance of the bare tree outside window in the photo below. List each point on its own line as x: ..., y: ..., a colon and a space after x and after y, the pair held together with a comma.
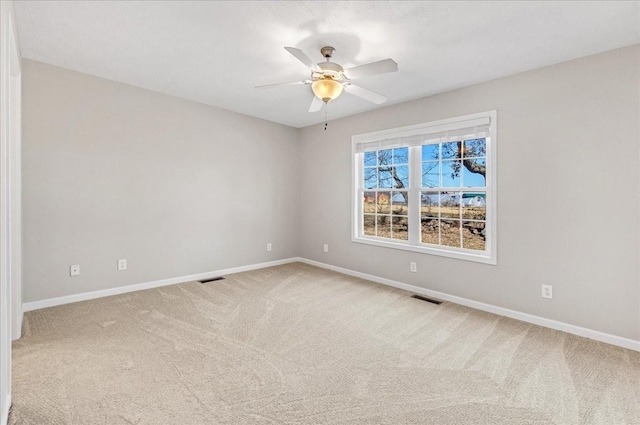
x: 454, y: 217
x: 386, y: 206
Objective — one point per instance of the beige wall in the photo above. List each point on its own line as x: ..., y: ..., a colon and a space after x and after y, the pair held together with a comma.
x: 113, y: 171
x: 568, y: 194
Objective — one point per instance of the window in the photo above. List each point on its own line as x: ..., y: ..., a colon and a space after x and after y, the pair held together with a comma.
x: 428, y: 188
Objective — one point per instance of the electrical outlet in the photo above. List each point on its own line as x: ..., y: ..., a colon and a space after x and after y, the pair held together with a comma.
x: 269, y: 247
x: 413, y: 267
x: 74, y: 270
x: 547, y: 291
x: 326, y: 248
x: 122, y: 264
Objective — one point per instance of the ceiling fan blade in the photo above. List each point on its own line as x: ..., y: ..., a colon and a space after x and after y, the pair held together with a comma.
x: 291, y: 83
x: 365, y: 94
x: 299, y: 54
x: 316, y: 104
x: 373, y: 68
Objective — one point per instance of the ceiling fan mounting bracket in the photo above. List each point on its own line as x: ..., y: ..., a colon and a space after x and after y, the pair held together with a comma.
x: 327, y: 52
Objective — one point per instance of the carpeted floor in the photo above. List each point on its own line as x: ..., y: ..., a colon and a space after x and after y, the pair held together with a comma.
x: 295, y: 344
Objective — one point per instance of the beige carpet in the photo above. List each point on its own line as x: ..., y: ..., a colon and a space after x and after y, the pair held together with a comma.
x: 296, y: 344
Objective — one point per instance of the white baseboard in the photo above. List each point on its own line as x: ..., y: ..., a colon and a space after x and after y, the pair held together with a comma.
x: 501, y: 311
x: 5, y: 410
x: 51, y: 302
x: 524, y: 317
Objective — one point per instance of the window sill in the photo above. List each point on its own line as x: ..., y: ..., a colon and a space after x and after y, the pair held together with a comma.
x: 460, y: 254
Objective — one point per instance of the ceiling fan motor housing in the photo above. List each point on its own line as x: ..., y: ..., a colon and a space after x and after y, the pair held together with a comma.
x: 330, y: 66
x: 329, y: 70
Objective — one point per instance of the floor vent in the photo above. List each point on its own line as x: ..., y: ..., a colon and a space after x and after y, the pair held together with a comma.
x: 213, y: 279
x: 429, y: 300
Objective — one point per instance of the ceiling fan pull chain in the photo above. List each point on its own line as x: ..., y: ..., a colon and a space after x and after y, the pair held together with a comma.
x: 326, y: 106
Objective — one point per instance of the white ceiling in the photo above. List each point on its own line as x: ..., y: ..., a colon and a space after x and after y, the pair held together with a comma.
x: 216, y: 52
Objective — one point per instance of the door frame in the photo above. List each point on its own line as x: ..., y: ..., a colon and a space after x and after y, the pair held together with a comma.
x: 10, y: 200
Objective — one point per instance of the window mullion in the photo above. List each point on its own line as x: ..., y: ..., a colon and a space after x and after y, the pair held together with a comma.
x: 415, y: 181
x: 359, y: 218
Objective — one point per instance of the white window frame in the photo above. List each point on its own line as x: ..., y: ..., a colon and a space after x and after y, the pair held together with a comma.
x: 489, y: 256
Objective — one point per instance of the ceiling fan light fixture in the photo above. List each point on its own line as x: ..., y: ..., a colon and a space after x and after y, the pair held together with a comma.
x: 326, y: 89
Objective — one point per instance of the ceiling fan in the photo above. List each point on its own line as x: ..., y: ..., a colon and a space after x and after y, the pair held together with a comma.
x: 328, y: 79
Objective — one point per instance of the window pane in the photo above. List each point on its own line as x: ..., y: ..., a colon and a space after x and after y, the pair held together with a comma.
x: 473, y: 235
x: 450, y: 232
x: 401, y: 156
x: 384, y: 203
x: 430, y: 229
x: 474, y: 178
x: 475, y: 148
x: 402, y: 173
x: 430, y: 204
x: 369, y: 202
x: 370, y: 158
x: 369, y: 227
x: 450, y: 150
x: 431, y: 174
x: 385, y: 179
x: 400, y: 202
x: 450, y: 205
x: 431, y: 152
x: 474, y: 205
x: 385, y: 157
x: 384, y: 226
x: 400, y: 227
x: 370, y: 178
x: 451, y: 173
